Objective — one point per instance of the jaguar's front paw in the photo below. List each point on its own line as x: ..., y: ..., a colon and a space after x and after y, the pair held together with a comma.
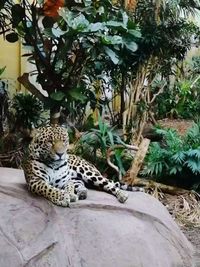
x: 82, y: 194
x: 122, y: 196
x: 64, y: 201
x: 73, y: 198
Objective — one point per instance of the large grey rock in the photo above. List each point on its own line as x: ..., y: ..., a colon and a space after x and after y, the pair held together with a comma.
x: 97, y: 232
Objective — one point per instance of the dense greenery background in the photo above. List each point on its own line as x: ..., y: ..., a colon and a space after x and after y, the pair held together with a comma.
x: 142, y: 48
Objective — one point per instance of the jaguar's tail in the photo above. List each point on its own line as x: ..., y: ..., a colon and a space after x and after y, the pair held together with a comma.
x: 127, y: 187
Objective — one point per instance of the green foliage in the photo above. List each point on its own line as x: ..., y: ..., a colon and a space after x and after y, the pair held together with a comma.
x: 87, y: 37
x: 84, y: 38
x: 195, y: 65
x: 181, y: 98
x: 175, y: 155
x: 166, y: 30
x: 5, y: 16
x: 166, y: 37
x: 180, y: 102
x: 94, y: 144
x: 26, y: 110
x: 2, y: 70
x: 192, y: 137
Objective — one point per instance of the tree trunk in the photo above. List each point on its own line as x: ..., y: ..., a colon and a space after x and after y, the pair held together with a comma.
x: 55, y: 115
x: 122, y: 91
x: 137, y: 161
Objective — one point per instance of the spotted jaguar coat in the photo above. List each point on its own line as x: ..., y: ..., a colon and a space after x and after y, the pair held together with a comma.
x: 61, y: 177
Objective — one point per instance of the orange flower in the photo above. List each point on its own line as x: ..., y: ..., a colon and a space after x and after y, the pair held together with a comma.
x: 51, y: 7
x: 131, y: 4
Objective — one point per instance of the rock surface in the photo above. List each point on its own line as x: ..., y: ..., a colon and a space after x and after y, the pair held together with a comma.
x: 97, y: 232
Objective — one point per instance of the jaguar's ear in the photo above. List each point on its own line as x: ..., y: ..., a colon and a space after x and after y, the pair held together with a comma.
x: 33, y: 133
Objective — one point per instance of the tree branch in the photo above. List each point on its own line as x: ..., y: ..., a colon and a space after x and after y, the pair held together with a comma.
x: 24, y: 80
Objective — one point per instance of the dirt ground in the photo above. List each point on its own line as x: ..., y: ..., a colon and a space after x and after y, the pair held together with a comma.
x: 180, y: 125
x: 193, y: 235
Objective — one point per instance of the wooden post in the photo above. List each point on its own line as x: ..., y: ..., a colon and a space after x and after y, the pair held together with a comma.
x: 137, y: 161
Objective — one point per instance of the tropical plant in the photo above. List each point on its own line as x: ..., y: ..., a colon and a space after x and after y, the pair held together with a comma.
x: 2, y: 70
x: 166, y: 32
x: 75, y: 38
x: 181, y: 101
x: 26, y: 111
x: 5, y: 16
x: 176, y: 157
x: 195, y: 66
x: 181, y: 95
x: 103, y: 144
x: 67, y: 40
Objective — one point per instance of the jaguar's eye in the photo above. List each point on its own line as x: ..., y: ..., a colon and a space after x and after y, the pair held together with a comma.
x: 65, y: 142
x: 49, y: 144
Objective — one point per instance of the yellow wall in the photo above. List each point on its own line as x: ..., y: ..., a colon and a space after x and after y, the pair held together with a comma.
x: 10, y: 57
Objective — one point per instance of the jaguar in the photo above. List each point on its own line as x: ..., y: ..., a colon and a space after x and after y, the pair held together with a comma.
x: 61, y: 177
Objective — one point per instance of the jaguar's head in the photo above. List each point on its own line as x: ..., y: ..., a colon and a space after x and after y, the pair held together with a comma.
x: 49, y: 144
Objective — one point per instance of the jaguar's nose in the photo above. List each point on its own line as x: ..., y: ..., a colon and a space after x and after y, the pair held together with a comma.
x: 60, y: 154
x: 59, y: 148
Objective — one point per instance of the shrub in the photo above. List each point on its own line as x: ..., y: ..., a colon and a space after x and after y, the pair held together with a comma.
x: 95, y: 144
x: 26, y: 111
x: 176, y: 159
x: 181, y: 101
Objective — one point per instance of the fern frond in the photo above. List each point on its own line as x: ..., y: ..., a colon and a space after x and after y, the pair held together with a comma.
x: 193, y: 165
x: 194, y: 153
x: 172, y: 139
x: 192, y: 137
x: 155, y: 160
x: 194, y: 131
x: 175, y: 154
x: 175, y: 169
x: 154, y: 168
x: 179, y: 157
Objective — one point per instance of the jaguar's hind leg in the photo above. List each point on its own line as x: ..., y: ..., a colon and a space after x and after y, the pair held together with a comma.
x: 106, y: 185
x: 89, y: 174
x: 70, y: 190
x: 80, y: 189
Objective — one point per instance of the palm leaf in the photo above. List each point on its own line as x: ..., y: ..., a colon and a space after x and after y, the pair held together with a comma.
x: 193, y: 165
